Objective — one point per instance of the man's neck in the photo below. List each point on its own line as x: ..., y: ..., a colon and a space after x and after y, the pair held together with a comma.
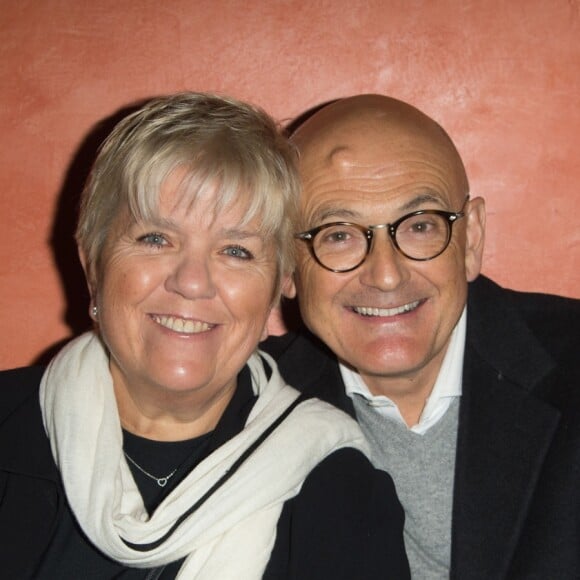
x: 409, y: 393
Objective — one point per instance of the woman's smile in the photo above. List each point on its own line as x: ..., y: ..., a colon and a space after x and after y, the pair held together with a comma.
x: 181, y: 325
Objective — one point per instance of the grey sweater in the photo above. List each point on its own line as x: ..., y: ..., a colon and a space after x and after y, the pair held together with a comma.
x: 423, y: 468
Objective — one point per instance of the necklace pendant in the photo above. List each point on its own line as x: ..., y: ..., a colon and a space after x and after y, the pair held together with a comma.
x: 160, y: 481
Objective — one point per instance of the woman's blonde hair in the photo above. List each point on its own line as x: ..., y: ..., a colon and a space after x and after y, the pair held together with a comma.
x: 226, y: 146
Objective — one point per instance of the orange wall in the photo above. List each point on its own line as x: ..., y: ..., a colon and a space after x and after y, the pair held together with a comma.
x: 502, y: 77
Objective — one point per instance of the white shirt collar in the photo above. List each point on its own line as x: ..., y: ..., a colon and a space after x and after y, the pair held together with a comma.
x: 446, y: 388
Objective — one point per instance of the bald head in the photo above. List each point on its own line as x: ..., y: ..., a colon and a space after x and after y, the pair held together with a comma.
x: 376, y: 131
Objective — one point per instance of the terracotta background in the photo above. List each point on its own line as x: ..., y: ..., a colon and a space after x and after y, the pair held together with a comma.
x: 502, y: 76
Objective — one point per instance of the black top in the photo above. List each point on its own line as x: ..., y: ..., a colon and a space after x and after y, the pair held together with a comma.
x: 345, y: 523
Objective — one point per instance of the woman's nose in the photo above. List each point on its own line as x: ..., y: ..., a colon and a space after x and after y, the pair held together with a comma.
x: 191, y: 277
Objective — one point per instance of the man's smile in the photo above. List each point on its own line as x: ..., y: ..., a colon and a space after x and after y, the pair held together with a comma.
x: 371, y: 311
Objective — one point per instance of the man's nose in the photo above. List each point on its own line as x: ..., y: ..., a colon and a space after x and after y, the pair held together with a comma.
x: 384, y: 267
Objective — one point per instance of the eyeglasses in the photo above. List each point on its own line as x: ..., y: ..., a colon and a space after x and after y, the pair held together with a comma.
x: 420, y: 235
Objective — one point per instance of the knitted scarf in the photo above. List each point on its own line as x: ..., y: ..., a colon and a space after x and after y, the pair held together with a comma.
x: 231, y: 531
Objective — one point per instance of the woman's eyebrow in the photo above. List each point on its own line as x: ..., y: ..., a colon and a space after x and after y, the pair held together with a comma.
x: 157, y: 222
x: 241, y: 234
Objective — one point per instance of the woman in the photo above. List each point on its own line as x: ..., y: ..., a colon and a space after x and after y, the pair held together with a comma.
x: 165, y: 445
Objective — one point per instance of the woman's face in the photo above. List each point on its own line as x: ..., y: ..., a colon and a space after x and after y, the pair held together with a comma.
x: 183, y: 300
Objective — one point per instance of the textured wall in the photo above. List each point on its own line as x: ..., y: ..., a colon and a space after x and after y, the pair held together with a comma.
x: 502, y: 77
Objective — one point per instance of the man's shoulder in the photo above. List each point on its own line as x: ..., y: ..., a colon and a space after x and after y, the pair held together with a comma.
x: 308, y: 365
x: 277, y: 345
x: 299, y: 350
x: 530, y: 340
x: 532, y: 304
x: 554, y: 321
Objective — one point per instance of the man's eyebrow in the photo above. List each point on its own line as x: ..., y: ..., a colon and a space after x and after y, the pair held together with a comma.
x: 421, y: 199
x: 336, y: 213
x: 344, y: 214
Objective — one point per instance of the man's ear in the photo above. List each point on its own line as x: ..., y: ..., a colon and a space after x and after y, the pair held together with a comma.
x: 475, y: 238
x: 275, y: 325
x: 288, y: 288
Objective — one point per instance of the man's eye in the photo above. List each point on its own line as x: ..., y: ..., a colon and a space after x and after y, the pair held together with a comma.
x: 238, y: 252
x: 153, y: 239
x: 421, y: 227
x: 336, y: 236
x: 341, y: 236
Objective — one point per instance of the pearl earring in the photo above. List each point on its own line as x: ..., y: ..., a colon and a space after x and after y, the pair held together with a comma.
x: 94, y: 311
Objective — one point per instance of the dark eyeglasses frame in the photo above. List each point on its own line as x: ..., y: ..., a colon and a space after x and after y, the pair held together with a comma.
x: 451, y: 217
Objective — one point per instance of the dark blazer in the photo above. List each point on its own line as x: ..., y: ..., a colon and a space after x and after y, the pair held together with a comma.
x: 345, y: 523
x: 516, y: 509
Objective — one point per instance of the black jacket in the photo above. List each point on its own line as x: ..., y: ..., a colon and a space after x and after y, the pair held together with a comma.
x: 346, y: 522
x: 516, y: 509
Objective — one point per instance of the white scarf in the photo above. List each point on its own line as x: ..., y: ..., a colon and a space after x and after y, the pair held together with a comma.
x: 232, y: 534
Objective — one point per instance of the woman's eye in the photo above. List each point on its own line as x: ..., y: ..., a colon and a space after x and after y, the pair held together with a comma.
x: 153, y: 239
x: 238, y: 252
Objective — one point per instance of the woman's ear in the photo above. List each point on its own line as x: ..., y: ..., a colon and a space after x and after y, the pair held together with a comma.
x: 88, y: 270
x: 475, y: 237
x: 91, y: 279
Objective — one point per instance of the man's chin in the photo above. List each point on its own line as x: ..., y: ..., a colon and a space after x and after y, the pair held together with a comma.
x: 381, y: 356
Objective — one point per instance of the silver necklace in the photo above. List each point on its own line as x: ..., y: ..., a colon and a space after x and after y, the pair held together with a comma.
x: 161, y: 481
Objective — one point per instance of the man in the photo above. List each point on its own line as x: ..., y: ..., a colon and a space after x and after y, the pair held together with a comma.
x: 468, y: 393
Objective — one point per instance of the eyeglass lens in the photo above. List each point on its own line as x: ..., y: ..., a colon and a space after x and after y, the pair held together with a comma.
x: 420, y: 237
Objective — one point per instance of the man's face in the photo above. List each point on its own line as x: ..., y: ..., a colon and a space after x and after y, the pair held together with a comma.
x: 392, y: 317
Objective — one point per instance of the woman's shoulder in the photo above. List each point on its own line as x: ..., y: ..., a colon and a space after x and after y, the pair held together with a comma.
x: 346, y: 480
x: 24, y: 375
x: 16, y: 386
x: 346, y: 522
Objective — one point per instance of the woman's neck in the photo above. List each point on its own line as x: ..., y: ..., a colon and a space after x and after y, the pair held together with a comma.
x: 169, y: 416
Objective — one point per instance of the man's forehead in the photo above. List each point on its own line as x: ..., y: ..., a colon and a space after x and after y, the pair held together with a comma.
x: 373, y: 154
x: 359, y: 156
x: 364, y: 145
